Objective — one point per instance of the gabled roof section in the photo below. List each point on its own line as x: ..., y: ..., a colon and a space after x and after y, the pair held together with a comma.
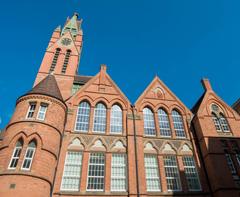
x: 158, y: 90
x: 48, y: 86
x: 81, y: 79
x: 72, y: 25
x: 200, y: 107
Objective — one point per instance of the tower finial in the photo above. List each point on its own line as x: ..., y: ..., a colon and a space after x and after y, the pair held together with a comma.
x: 76, y: 14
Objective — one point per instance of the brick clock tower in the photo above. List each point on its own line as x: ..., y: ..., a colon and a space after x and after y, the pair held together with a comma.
x: 75, y: 135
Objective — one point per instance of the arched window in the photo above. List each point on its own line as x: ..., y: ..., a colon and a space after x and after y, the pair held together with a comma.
x: 28, y: 158
x: 220, y: 123
x: 149, y: 124
x: 54, y: 61
x: 83, y: 114
x: 216, y: 122
x: 16, y: 154
x: 116, y: 119
x: 66, y: 60
x: 178, y: 124
x: 164, y: 124
x: 100, y: 117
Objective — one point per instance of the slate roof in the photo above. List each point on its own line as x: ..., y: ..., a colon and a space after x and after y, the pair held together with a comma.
x: 48, y: 86
x: 81, y: 79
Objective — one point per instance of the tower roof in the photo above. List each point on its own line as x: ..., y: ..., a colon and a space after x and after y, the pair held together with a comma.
x: 48, y: 86
x: 73, y: 25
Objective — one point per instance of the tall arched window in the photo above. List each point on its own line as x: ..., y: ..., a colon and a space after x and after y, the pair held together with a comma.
x: 220, y: 123
x: 116, y: 119
x: 100, y: 118
x: 83, y: 114
x: 164, y: 124
x: 16, y: 155
x: 28, y: 158
x: 216, y: 122
x: 149, y: 124
x: 55, y: 59
x: 66, y: 60
x: 178, y: 124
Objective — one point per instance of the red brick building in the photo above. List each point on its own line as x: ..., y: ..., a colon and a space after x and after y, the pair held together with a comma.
x: 74, y: 135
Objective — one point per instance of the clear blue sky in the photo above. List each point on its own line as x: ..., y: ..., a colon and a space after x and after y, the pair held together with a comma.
x: 181, y: 41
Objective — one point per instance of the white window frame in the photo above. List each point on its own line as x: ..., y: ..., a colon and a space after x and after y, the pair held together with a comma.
x: 162, y: 114
x: 31, y: 159
x: 16, y: 148
x: 119, y: 165
x: 76, y: 122
x: 105, y: 124
x: 149, y: 122
x: 116, y: 121
x: 180, y: 121
x: 177, y: 169
x: 192, y: 168
x: 153, y: 167
x: 104, y: 176
x: 30, y: 110
x: 78, y: 176
x: 42, y: 112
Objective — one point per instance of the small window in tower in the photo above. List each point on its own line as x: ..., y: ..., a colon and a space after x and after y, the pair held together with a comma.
x: 66, y: 60
x: 28, y: 158
x: 16, y: 155
x: 42, y: 111
x: 55, y: 59
x: 31, y: 110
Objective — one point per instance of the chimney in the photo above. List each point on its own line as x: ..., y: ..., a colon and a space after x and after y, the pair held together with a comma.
x: 206, y: 84
x: 103, y: 72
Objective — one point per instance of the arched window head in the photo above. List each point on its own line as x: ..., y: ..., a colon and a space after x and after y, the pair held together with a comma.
x: 28, y: 158
x: 148, y: 120
x: 66, y: 61
x: 116, y: 124
x: 16, y: 154
x: 100, y: 118
x: 83, y: 115
x: 55, y: 59
x: 178, y: 124
x: 164, y: 123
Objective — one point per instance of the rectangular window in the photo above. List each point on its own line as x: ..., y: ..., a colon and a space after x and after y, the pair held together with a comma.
x: 118, y: 172
x: 31, y: 110
x: 42, y: 112
x: 172, y: 173
x: 238, y: 158
x: 72, y: 171
x: 15, y: 157
x: 191, y: 173
x: 230, y: 164
x: 96, y: 172
x: 152, y: 173
x: 27, y: 161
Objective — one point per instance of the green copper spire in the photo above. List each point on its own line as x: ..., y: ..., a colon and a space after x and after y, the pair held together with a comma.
x: 73, y: 25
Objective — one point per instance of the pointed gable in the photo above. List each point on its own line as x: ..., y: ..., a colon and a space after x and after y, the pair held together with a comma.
x: 101, y: 87
x: 48, y: 86
x: 72, y: 25
x: 157, y: 93
x: 209, y: 97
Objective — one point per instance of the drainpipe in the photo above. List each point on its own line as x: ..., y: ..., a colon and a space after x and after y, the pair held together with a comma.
x: 135, y: 146
x: 201, y: 155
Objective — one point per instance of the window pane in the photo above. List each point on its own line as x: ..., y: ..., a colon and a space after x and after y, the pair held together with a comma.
x: 118, y: 172
x: 172, y: 173
x: 28, y: 158
x: 178, y: 124
x: 152, y: 173
x: 116, y: 119
x: 100, y: 118
x: 224, y: 123
x: 149, y: 124
x: 31, y: 110
x: 230, y: 164
x: 164, y: 123
x: 83, y: 114
x: 96, y: 172
x: 216, y: 122
x: 42, y: 112
x: 191, y: 173
x: 15, y: 156
x: 72, y: 171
